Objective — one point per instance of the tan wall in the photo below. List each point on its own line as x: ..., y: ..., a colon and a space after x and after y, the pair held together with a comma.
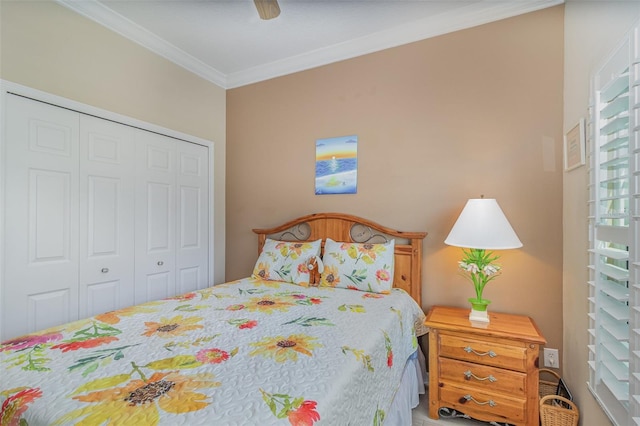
x: 48, y: 47
x: 439, y: 121
x: 592, y: 31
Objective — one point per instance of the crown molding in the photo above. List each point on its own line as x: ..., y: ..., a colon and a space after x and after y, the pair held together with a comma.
x: 470, y: 16
x: 473, y: 15
x: 117, y: 23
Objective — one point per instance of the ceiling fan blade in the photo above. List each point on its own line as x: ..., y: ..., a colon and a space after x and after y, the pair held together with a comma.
x: 267, y: 9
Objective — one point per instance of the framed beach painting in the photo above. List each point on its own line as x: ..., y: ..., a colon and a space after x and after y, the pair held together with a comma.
x: 337, y: 165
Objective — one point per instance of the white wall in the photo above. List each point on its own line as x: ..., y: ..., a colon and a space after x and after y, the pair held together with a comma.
x: 592, y: 30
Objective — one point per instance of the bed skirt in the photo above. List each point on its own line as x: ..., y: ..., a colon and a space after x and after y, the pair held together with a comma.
x: 408, y: 394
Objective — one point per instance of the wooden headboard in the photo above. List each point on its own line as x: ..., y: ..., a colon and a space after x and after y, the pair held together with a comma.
x: 347, y: 228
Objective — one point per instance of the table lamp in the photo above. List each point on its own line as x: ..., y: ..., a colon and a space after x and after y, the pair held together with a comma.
x: 481, y: 226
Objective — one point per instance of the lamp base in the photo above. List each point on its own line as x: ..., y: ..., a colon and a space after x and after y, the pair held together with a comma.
x: 478, y: 316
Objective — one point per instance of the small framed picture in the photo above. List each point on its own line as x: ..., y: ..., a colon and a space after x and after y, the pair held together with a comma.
x: 337, y: 165
x: 574, y: 146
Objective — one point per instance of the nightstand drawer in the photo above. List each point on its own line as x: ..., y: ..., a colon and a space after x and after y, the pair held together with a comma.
x: 483, y: 405
x: 484, y: 378
x: 483, y: 351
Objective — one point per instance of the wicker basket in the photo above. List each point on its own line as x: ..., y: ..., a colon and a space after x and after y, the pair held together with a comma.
x: 548, y: 382
x: 558, y: 411
x: 555, y: 410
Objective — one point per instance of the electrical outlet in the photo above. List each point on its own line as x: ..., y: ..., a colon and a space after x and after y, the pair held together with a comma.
x: 551, y: 358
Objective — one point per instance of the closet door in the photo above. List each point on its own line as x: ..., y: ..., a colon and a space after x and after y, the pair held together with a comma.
x: 192, y: 255
x: 40, y: 287
x: 107, y: 188
x: 98, y: 216
x: 155, y: 219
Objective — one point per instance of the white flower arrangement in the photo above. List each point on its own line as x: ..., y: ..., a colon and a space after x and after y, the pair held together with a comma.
x: 478, y: 266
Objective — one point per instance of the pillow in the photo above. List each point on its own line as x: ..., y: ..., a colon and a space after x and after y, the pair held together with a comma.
x: 286, y: 261
x: 365, y: 267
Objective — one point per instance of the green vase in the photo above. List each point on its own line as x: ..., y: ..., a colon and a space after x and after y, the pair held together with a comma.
x: 479, y: 304
x: 479, y: 314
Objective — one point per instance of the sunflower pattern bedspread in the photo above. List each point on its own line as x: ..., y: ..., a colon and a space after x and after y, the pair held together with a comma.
x: 248, y: 352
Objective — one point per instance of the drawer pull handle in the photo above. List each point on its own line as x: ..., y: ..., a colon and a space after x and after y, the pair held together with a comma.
x: 104, y: 270
x: 469, y: 350
x: 466, y: 398
x: 468, y: 375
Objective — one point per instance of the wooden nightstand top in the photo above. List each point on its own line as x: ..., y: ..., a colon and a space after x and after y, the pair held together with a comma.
x: 510, y: 326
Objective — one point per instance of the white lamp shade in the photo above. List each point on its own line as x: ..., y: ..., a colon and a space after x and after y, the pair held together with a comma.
x: 483, y: 225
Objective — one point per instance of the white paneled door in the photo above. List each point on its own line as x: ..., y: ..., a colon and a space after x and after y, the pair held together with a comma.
x: 192, y: 253
x: 41, y: 216
x: 155, y: 217
x: 98, y: 216
x: 172, y: 217
x: 107, y: 188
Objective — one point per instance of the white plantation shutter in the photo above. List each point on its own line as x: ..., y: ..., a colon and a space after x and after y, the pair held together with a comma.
x: 614, y: 234
x: 634, y: 189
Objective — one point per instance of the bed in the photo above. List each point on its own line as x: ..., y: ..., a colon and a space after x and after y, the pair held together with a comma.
x: 283, y: 346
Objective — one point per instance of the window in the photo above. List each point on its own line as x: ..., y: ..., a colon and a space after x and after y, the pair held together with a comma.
x: 614, y: 234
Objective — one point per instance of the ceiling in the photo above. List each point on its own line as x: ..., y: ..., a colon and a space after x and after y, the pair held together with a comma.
x: 225, y: 42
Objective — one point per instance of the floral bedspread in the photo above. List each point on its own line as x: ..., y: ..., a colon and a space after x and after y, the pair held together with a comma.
x: 249, y: 352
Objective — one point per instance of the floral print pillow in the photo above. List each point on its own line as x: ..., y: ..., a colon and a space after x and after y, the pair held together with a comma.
x: 286, y: 261
x: 365, y: 267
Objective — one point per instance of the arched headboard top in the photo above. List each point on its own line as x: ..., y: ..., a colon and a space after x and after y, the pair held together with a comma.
x: 349, y: 228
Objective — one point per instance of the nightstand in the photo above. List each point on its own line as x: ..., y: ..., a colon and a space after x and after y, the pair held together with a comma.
x: 488, y: 371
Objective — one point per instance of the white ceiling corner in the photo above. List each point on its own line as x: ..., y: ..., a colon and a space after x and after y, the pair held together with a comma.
x: 224, y: 42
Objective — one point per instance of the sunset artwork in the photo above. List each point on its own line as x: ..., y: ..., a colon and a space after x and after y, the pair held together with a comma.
x: 337, y: 165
